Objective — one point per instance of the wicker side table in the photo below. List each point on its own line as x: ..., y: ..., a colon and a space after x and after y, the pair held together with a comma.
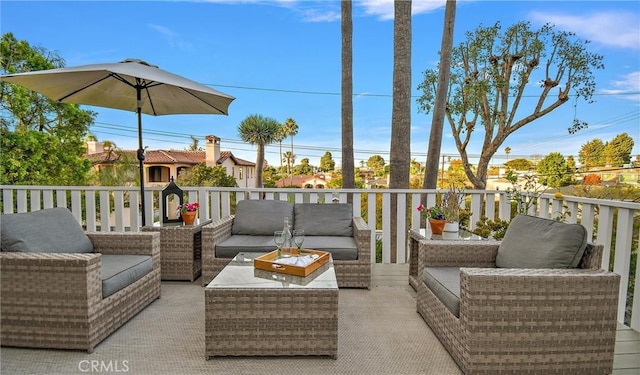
x: 180, y: 251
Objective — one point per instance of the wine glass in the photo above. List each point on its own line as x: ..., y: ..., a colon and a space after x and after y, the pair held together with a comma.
x: 278, y: 238
x: 298, y: 238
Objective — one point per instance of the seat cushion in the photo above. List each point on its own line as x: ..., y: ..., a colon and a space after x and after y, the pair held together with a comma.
x: 444, y: 283
x: 533, y: 242
x: 341, y: 248
x: 120, y: 271
x: 261, y: 217
x: 244, y: 243
x: 52, y: 230
x: 334, y: 219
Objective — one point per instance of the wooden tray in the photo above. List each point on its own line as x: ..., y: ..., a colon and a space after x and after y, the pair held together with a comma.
x: 267, y: 262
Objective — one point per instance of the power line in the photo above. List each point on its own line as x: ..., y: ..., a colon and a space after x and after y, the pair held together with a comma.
x: 364, y: 94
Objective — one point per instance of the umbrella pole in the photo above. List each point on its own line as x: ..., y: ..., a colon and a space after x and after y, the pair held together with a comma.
x: 141, y: 154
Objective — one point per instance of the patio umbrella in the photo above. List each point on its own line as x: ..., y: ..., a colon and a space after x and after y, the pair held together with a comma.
x: 132, y: 85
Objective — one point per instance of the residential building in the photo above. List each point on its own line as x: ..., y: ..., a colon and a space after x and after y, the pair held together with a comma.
x: 161, y: 165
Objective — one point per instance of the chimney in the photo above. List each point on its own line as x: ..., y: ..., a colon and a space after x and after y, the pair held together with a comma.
x: 94, y: 147
x: 212, y: 151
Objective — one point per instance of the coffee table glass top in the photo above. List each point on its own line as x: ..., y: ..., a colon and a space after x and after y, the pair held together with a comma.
x: 240, y: 273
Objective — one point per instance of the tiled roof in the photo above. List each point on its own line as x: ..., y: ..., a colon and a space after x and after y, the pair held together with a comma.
x: 165, y: 157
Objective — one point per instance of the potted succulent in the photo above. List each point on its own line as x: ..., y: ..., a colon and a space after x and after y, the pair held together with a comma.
x: 188, y: 212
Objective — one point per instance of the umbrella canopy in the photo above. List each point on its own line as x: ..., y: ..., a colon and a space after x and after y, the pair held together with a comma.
x: 131, y: 85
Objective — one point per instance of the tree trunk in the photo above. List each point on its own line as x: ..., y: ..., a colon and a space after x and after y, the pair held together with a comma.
x: 444, y: 72
x: 259, y: 165
x: 348, y: 178
x: 400, y: 154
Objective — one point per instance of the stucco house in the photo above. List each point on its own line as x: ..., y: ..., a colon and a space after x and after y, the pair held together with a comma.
x: 161, y: 165
x: 318, y: 181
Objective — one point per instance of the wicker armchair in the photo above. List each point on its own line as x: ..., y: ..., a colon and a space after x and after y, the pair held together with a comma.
x: 54, y: 300
x: 510, y: 320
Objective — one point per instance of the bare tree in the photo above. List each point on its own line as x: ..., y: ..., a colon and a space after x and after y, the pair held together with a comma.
x: 492, y: 71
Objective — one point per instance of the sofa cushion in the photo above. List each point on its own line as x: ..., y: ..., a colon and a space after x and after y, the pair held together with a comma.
x: 533, y: 242
x: 341, y: 248
x: 444, y: 283
x: 244, y: 243
x: 261, y: 217
x: 120, y: 271
x: 52, y: 230
x: 334, y: 219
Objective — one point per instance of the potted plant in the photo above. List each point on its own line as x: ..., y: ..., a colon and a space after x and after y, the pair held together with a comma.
x: 188, y: 212
x: 436, y: 217
x: 452, y: 205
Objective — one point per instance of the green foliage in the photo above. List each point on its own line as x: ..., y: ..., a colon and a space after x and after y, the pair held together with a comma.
x: 38, y: 158
x: 519, y: 164
x: 491, y: 228
x: 201, y: 175
x: 376, y: 164
x: 524, y: 196
x: 122, y: 172
x: 591, y: 154
x: 42, y: 141
x: 259, y: 130
x: 304, y: 168
x: 618, y: 151
x: 327, y: 164
x: 553, y: 170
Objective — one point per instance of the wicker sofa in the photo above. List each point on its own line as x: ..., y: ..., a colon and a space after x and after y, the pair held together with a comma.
x: 328, y: 227
x: 496, y: 316
x: 62, y: 288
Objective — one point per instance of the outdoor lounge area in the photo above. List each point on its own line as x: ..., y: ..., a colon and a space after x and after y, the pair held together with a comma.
x: 380, y: 332
x: 383, y: 329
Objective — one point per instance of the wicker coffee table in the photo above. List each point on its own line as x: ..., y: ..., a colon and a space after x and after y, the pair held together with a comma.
x: 251, y: 312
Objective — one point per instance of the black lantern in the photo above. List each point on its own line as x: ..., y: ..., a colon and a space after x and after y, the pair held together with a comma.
x: 171, y: 195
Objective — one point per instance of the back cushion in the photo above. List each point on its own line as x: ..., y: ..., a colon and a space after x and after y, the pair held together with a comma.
x: 52, y: 230
x: 261, y: 217
x: 533, y: 242
x: 332, y: 219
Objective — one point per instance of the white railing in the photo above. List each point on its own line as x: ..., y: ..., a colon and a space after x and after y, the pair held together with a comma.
x: 107, y: 209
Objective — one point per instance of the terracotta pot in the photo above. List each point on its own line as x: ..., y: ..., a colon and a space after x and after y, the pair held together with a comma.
x: 189, y: 217
x: 437, y: 225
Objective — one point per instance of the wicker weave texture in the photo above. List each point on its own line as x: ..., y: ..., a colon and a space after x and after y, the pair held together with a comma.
x: 270, y: 322
x: 55, y: 300
x: 350, y: 273
x: 536, y: 321
x: 181, y: 251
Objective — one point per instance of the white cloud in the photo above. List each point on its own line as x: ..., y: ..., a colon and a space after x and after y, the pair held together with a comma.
x: 611, y: 28
x: 383, y: 9
x: 315, y: 15
x: 172, y: 38
x: 628, y: 87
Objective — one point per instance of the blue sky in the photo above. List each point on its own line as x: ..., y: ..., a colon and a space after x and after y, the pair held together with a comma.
x: 282, y: 59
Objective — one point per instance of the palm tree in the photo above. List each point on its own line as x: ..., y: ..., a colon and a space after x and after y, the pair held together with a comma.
x: 507, y: 150
x: 259, y: 130
x: 279, y: 138
x: 348, y: 178
x: 400, y: 151
x: 290, y: 129
x: 437, y: 123
x: 290, y: 159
